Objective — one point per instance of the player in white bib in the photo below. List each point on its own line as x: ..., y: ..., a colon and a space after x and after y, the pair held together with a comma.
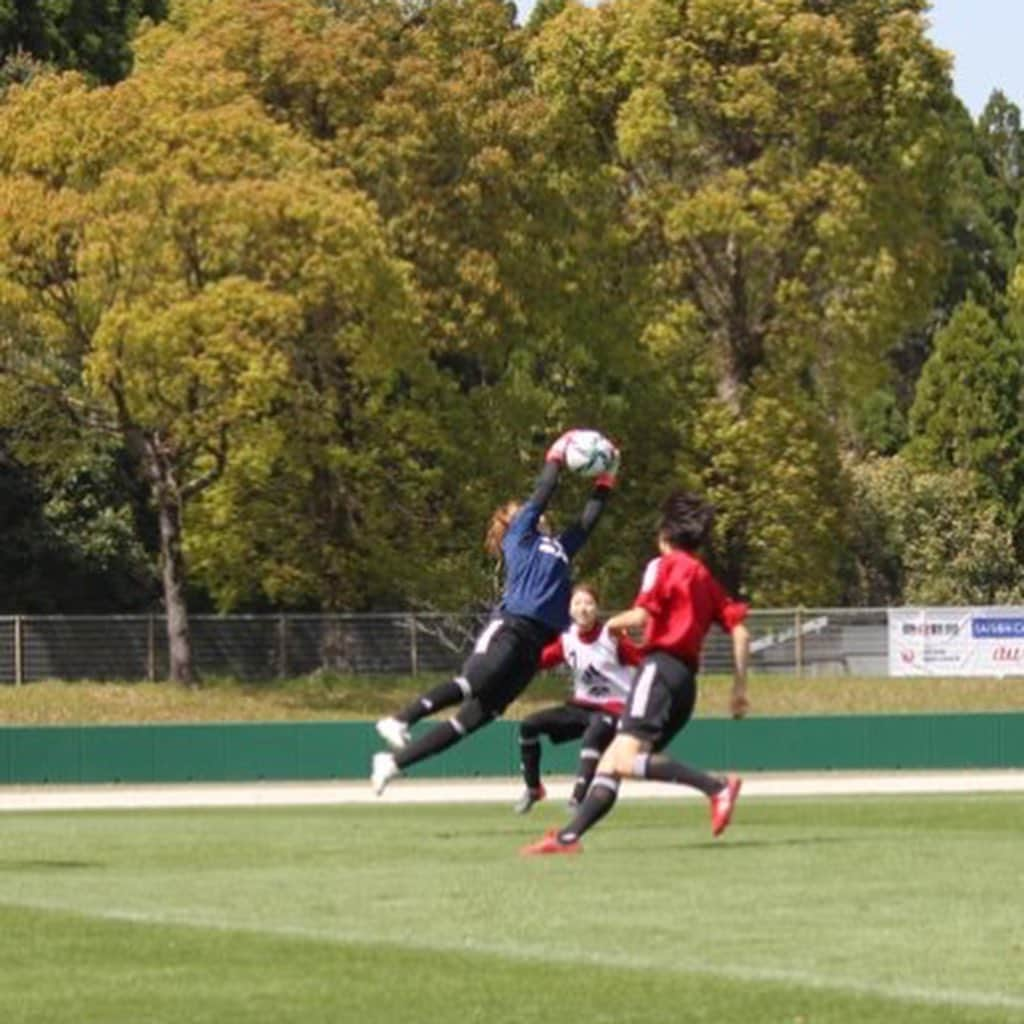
x: 602, y: 672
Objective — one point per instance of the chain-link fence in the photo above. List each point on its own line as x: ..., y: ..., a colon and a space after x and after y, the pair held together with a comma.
x: 824, y: 641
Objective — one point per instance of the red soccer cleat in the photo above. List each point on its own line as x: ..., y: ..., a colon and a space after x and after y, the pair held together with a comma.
x: 550, y: 844
x: 722, y: 805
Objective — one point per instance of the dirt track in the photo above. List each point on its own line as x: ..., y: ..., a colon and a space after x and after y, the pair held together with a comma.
x: 277, y: 794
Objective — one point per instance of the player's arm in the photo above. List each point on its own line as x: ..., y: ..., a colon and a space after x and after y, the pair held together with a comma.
x: 731, y: 616
x: 629, y: 652
x: 574, y: 538
x: 739, y: 702
x: 624, y: 622
x: 545, y: 487
x: 552, y: 654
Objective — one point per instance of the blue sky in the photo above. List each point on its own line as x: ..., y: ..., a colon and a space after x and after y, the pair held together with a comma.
x: 985, y: 38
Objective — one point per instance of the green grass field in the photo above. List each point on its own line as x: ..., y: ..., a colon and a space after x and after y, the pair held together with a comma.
x: 806, y: 912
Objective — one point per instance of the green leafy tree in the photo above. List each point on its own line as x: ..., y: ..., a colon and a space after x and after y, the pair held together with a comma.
x: 781, y: 174
x: 91, y: 36
x: 778, y: 487
x: 507, y: 221
x: 967, y: 410
x: 924, y: 536
x: 179, y: 270
x: 70, y: 544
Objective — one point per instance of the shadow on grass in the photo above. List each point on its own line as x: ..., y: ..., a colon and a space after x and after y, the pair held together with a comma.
x: 47, y: 865
x: 767, y: 844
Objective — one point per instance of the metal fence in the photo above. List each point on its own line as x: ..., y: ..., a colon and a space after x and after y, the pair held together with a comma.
x: 824, y: 641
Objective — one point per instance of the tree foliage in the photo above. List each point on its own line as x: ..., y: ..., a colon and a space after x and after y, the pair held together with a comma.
x: 91, y: 36
x: 931, y: 537
x: 967, y: 410
x: 183, y: 270
x: 330, y: 275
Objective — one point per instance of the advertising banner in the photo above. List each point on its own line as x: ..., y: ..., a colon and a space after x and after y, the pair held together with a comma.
x: 956, y: 641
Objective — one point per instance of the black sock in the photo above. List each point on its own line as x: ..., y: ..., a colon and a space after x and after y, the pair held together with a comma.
x: 663, y: 769
x: 529, y: 752
x: 441, y: 737
x: 600, y: 799
x: 444, y: 695
x: 588, y: 765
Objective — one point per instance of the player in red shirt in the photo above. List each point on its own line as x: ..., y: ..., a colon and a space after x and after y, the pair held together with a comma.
x: 602, y: 673
x: 679, y: 599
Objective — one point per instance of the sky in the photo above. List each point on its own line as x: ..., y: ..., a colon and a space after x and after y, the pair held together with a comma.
x: 984, y: 37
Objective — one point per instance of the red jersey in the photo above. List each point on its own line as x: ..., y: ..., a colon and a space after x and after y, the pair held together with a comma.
x: 682, y: 600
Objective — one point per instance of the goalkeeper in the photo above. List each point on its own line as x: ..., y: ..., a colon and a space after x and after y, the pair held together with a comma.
x: 534, y: 610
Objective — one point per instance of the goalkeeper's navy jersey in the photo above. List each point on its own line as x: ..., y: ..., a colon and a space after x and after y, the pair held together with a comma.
x: 538, y: 582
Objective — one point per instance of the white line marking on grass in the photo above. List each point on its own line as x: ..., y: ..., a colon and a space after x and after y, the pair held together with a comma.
x: 860, y: 987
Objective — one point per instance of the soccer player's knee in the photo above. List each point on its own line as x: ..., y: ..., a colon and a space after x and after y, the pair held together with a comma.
x: 528, y: 731
x: 620, y: 757
x: 471, y: 716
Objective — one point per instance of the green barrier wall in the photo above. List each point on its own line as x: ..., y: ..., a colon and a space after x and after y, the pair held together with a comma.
x: 342, y: 750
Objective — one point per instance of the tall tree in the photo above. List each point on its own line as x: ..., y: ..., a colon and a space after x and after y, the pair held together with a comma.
x: 782, y: 172
x: 967, y: 411
x: 526, y: 311
x: 175, y: 268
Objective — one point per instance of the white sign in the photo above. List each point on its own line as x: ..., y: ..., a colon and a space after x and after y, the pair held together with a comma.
x: 956, y: 641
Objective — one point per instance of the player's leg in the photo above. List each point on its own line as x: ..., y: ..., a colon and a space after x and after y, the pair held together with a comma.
x: 647, y: 710
x: 599, y: 733
x: 660, y: 714
x: 560, y: 724
x: 679, y: 680
x: 600, y: 799
x: 531, y: 729
x: 395, y: 729
x: 502, y: 657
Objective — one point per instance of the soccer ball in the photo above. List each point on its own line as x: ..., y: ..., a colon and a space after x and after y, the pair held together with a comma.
x: 589, y: 453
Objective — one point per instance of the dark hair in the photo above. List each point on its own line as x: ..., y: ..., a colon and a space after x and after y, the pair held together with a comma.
x: 686, y: 520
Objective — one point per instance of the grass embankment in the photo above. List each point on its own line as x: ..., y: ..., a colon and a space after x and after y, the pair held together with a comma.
x: 368, y: 697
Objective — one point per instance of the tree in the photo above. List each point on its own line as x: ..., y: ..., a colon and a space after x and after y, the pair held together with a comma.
x: 922, y: 536
x: 509, y: 228
x: 778, y: 488
x: 967, y: 410
x: 781, y: 170
x: 179, y: 270
x: 70, y: 544
x: 91, y: 36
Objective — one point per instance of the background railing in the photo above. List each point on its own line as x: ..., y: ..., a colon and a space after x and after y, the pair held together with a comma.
x: 800, y: 641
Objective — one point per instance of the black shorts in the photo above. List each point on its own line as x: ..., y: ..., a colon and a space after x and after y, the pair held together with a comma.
x: 661, y: 700
x: 570, y: 722
x: 504, y: 660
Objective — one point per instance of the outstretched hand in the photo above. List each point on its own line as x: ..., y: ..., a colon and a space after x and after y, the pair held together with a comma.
x: 610, y: 477
x: 556, y: 453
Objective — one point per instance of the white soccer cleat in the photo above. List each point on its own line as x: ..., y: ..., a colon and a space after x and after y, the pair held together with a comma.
x: 393, y: 732
x: 384, y: 770
x: 528, y: 798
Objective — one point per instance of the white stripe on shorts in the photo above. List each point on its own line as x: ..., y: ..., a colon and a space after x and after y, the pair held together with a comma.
x: 642, y: 691
x: 484, y: 640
